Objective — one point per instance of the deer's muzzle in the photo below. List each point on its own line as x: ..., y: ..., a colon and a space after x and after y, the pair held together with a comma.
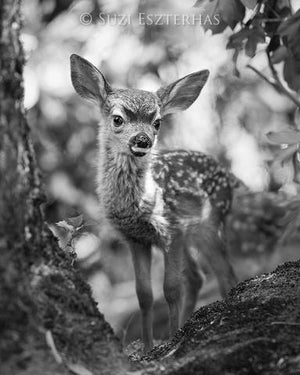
x: 140, y: 144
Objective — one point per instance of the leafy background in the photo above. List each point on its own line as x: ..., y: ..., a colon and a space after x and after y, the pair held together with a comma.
x: 247, y: 117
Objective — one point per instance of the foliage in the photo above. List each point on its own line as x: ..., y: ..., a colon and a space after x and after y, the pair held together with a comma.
x: 273, y: 23
x: 259, y: 21
x: 289, y: 141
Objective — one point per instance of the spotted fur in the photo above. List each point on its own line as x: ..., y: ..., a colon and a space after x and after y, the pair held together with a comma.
x: 147, y: 202
x: 194, y: 176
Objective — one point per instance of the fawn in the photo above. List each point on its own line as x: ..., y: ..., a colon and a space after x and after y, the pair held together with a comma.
x: 174, y: 200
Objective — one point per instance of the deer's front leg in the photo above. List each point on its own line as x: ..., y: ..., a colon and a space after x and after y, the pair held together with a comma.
x: 141, y: 255
x: 173, y: 282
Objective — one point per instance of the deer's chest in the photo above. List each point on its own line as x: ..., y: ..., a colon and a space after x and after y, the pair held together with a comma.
x: 135, y: 207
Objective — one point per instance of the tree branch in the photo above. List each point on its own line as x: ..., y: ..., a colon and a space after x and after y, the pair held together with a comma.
x: 261, y: 75
x: 281, y: 87
x: 276, y: 83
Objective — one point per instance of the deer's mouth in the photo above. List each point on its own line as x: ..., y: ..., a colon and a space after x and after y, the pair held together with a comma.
x: 139, y: 151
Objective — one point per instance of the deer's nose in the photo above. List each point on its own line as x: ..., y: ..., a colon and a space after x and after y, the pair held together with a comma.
x: 141, y: 140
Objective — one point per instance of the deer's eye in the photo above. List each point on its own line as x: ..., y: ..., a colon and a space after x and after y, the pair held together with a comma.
x: 156, y: 124
x: 118, y: 120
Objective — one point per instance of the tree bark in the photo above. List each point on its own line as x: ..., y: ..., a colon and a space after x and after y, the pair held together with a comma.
x: 48, y: 320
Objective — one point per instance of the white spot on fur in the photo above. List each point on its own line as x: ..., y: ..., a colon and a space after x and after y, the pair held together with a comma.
x: 150, y: 187
x: 158, y: 210
x: 153, y: 195
x: 206, y: 210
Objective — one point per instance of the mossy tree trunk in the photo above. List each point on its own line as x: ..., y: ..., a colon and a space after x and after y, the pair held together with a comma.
x: 48, y: 319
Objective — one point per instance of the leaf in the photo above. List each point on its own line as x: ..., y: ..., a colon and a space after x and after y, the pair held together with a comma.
x: 75, y: 221
x: 273, y: 14
x: 251, y: 4
x: 279, y: 55
x: 63, y: 232
x: 282, y: 172
x: 286, y: 155
x: 297, y: 118
x: 51, y: 344
x: 296, y: 164
x: 78, y: 369
x: 290, y: 26
x: 231, y: 12
x: 237, y: 39
x: 199, y: 3
x: 226, y: 13
x: 234, y: 59
x: 248, y: 38
x: 293, y: 205
x: 207, y: 12
x: 257, y: 36
x: 274, y: 43
x: 291, y: 72
x: 289, y: 31
x: 290, y: 137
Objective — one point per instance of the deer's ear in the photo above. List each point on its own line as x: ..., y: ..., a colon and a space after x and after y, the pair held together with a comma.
x: 181, y: 94
x: 87, y: 80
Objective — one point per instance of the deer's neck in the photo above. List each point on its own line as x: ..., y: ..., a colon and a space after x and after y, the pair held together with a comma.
x: 130, y: 199
x: 122, y: 183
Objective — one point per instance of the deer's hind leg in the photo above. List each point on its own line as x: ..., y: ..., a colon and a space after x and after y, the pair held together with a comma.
x: 209, y: 239
x: 220, y: 264
x: 173, y: 281
x: 193, y: 281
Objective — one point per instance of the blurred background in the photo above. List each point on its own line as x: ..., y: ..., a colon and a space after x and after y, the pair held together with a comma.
x: 229, y: 121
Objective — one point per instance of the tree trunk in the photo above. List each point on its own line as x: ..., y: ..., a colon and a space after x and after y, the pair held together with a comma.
x: 48, y: 320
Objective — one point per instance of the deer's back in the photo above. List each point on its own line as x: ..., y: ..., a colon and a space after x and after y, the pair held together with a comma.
x: 190, y: 178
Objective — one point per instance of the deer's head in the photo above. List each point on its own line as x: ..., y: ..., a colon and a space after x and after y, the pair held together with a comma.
x: 132, y: 118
